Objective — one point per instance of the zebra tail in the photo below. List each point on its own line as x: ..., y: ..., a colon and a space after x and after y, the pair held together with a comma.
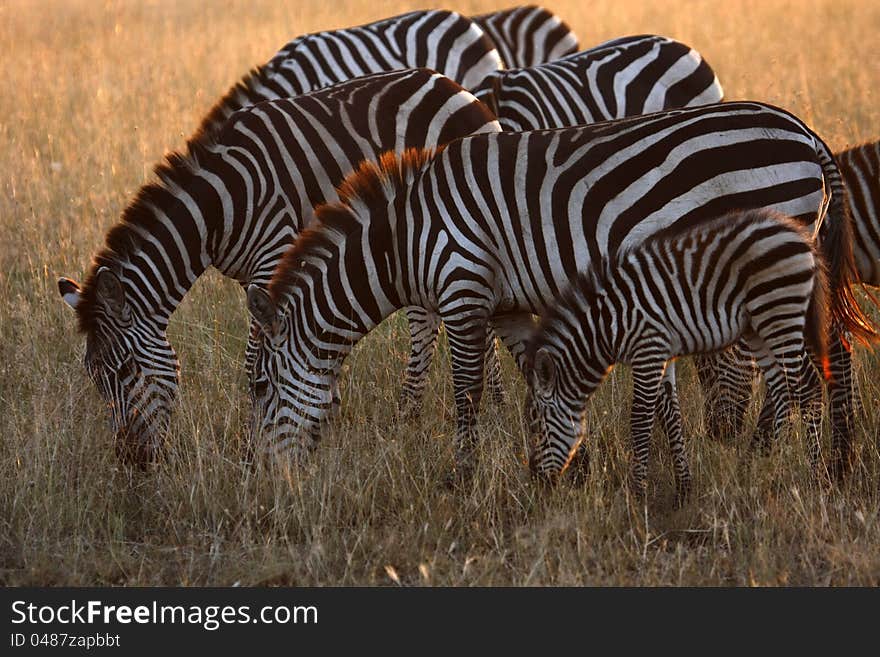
x: 836, y: 239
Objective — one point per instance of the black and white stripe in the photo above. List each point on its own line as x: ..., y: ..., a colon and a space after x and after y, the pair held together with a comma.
x: 236, y: 202
x: 495, y: 226
x: 860, y: 167
x: 528, y: 35
x: 620, y: 78
x: 444, y: 41
x: 754, y: 275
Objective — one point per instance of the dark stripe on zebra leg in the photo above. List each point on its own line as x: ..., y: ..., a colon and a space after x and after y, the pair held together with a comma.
x: 840, y: 394
x: 494, y: 384
x: 669, y: 412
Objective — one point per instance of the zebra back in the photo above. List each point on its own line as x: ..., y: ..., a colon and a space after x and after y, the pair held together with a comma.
x: 860, y: 167
x: 625, y: 77
x: 528, y: 35
x: 444, y: 41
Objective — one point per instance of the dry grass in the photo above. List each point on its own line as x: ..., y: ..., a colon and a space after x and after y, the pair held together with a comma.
x: 93, y: 96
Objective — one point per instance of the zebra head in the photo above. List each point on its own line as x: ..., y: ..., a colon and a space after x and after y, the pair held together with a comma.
x: 129, y: 360
x: 554, y: 415
x: 293, y: 391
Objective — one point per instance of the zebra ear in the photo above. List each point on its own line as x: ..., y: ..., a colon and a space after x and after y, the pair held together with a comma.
x: 262, y: 308
x: 69, y: 290
x: 110, y: 291
x: 544, y: 369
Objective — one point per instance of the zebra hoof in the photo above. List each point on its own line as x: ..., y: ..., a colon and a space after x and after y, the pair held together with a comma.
x: 682, y: 494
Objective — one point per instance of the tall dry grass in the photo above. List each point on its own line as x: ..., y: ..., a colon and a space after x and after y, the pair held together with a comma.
x: 95, y: 93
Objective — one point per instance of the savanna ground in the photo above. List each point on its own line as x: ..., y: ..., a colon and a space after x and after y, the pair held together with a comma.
x: 95, y: 93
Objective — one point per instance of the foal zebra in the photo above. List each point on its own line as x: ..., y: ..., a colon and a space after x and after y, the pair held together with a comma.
x: 528, y: 35
x: 753, y: 274
x: 236, y: 201
x: 620, y: 78
x: 444, y: 41
x: 492, y: 228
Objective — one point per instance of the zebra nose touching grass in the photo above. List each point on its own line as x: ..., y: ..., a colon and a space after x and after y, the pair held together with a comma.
x: 694, y: 289
x: 129, y: 360
x: 488, y: 230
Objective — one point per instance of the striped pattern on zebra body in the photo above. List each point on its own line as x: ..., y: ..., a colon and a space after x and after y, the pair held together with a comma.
x: 444, y: 41
x: 753, y: 275
x: 860, y: 167
x: 492, y: 228
x: 528, y: 35
x: 236, y: 201
x: 620, y: 78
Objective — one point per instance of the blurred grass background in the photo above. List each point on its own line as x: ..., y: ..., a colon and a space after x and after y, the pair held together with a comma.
x: 96, y: 92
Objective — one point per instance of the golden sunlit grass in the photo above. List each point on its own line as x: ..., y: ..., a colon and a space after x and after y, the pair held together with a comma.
x: 95, y: 93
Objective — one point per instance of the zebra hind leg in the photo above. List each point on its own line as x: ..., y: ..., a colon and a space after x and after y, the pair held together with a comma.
x: 669, y: 414
x: 423, y: 328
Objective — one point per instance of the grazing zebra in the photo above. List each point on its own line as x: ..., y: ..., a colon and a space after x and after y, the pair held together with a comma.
x: 492, y: 228
x: 527, y: 35
x: 444, y: 41
x: 236, y: 201
x: 694, y: 289
x: 620, y: 78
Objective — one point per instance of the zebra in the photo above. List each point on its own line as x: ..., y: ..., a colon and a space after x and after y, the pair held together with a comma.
x: 490, y: 229
x: 236, y: 200
x: 860, y: 167
x: 694, y: 289
x: 730, y: 383
x: 447, y: 42
x: 528, y: 35
x: 620, y: 78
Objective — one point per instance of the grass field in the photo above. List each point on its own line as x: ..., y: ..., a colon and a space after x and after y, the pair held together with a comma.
x: 95, y: 93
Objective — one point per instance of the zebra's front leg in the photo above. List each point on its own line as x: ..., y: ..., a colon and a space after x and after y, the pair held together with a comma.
x: 669, y: 414
x: 467, y: 349
x: 423, y: 328
x: 647, y: 374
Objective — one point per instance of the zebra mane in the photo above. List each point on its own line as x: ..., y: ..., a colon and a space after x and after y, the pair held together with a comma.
x: 232, y: 100
x: 177, y: 169
x: 369, y: 187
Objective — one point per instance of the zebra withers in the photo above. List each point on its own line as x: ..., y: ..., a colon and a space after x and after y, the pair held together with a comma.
x: 493, y: 227
x: 620, y: 78
x: 528, y: 35
x: 755, y: 275
x: 235, y: 201
x: 447, y: 42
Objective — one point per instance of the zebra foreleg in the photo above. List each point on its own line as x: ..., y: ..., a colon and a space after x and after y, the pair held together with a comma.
x: 467, y: 348
x: 494, y: 385
x: 647, y: 372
